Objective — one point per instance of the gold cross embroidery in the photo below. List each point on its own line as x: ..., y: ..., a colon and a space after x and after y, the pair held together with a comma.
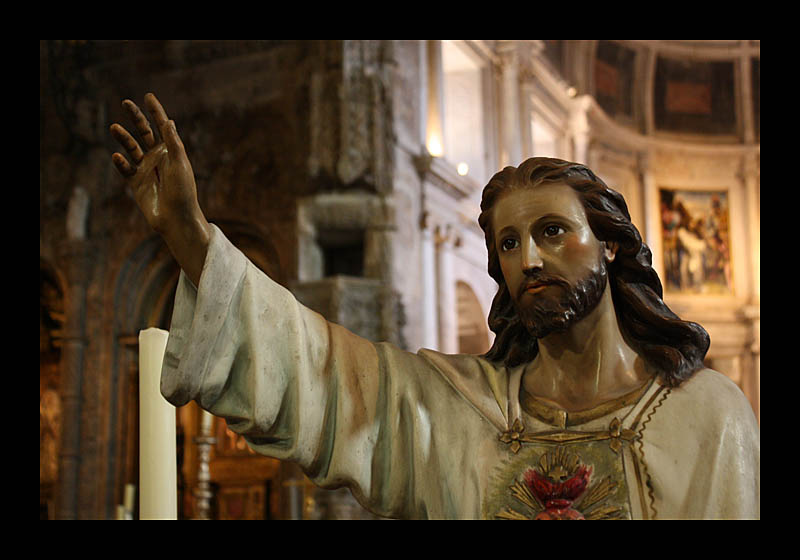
x: 516, y: 436
x: 513, y: 435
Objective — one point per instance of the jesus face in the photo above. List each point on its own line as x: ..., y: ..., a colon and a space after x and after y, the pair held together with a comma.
x: 553, y: 265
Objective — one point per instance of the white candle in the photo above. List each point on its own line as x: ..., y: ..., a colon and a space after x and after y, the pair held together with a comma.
x: 206, y: 426
x: 158, y: 462
x: 128, y: 503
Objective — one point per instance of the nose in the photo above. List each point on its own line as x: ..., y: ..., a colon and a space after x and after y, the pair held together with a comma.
x: 531, y: 259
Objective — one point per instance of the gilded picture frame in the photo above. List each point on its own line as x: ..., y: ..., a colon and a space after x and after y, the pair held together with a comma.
x: 696, y: 242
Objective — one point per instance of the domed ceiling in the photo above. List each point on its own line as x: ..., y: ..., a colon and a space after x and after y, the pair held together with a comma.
x: 676, y: 87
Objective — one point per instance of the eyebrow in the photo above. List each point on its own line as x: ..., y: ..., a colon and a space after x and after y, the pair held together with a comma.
x: 550, y: 216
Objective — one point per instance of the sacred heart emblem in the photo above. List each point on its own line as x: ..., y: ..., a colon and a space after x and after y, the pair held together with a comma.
x: 558, y: 488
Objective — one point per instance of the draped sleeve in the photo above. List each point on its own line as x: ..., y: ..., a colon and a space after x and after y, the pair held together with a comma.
x: 351, y: 412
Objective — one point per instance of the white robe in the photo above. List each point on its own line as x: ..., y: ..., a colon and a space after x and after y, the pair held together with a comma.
x: 420, y: 435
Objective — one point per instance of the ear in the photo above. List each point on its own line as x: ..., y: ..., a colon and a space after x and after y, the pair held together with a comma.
x: 610, y: 250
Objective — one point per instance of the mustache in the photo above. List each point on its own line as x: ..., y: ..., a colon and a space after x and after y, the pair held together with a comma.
x: 539, y: 277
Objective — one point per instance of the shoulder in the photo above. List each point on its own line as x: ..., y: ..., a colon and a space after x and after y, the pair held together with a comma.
x: 712, y: 398
x: 709, y: 380
x: 708, y: 386
x: 426, y: 363
x: 466, y: 367
x: 477, y: 380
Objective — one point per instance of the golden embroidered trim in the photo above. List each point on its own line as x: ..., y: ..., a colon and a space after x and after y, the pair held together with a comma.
x: 516, y: 436
x: 650, y: 490
x: 639, y: 485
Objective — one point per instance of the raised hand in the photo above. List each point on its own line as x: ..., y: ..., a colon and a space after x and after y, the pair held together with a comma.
x: 163, y: 185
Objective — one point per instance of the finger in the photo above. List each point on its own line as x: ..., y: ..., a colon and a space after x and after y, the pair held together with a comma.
x: 174, y: 144
x: 140, y: 122
x: 128, y: 142
x: 156, y: 110
x: 122, y: 165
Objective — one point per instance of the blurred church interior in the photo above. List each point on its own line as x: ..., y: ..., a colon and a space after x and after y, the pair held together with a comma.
x: 351, y: 172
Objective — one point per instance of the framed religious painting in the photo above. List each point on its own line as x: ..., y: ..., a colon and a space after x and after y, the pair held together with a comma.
x: 696, y: 242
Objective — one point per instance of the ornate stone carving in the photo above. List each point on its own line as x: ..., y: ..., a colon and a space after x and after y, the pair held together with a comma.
x: 351, y: 117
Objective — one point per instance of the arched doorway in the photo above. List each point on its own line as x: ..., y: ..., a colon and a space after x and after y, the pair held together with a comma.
x: 473, y: 331
x: 144, y: 297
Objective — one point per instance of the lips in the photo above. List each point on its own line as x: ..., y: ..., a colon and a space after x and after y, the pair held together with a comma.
x: 535, y: 287
x: 538, y: 282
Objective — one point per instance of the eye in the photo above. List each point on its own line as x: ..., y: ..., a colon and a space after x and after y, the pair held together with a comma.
x: 508, y: 244
x: 553, y: 230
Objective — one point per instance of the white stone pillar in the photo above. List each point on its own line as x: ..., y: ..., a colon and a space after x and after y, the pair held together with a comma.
x: 434, y: 135
x: 751, y: 171
x: 446, y: 289
x: 751, y: 175
x: 753, y: 314
x: 430, y: 311
x: 579, y: 128
x: 510, y: 118
x: 652, y: 226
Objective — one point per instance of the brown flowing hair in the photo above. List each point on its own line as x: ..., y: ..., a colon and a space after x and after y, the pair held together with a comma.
x: 672, y: 348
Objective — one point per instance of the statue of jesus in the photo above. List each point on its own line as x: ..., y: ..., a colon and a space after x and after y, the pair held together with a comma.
x: 592, y: 403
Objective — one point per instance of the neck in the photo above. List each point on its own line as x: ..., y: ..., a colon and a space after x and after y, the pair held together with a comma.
x: 588, y: 364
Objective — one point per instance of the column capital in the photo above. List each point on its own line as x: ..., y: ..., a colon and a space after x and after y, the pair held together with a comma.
x: 514, y: 51
x: 446, y: 236
x: 443, y: 234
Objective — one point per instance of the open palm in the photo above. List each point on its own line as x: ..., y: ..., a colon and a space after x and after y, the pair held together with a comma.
x: 160, y: 176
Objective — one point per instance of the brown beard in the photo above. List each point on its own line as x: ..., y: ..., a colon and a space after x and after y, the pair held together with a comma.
x: 556, y: 313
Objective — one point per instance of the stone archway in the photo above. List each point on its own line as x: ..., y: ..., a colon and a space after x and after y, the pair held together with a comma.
x: 144, y: 295
x: 473, y: 332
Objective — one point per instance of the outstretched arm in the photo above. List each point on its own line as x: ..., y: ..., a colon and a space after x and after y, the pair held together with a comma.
x: 162, y: 182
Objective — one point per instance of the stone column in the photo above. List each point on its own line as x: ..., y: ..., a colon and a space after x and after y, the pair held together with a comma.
x: 746, y: 82
x: 446, y: 291
x: 76, y: 255
x: 652, y: 218
x: 434, y: 135
x: 430, y: 315
x: 752, y: 313
x: 579, y: 128
x: 751, y: 177
x: 510, y: 118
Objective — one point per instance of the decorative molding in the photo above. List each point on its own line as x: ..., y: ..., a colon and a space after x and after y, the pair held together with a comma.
x: 441, y: 174
x: 485, y: 51
x: 699, y: 50
x: 614, y: 132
